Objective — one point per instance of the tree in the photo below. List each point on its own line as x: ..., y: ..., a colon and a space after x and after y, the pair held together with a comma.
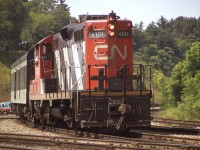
x: 162, y: 23
x: 165, y: 39
x: 12, y: 16
x: 152, y: 33
x: 189, y: 107
x: 45, y: 17
x: 162, y: 59
x: 175, y: 85
x: 139, y: 36
x: 184, y: 84
x: 192, y: 65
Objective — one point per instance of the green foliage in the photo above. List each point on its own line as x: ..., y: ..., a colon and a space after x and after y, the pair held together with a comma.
x: 175, y: 85
x: 40, y: 26
x: 139, y: 36
x: 45, y: 17
x: 30, y: 21
x: 162, y: 59
x: 159, y: 81
x: 12, y: 16
x: 151, y: 31
x: 187, y: 110
x: 184, y: 85
x: 193, y: 59
x: 191, y: 89
x: 162, y: 23
x: 165, y: 42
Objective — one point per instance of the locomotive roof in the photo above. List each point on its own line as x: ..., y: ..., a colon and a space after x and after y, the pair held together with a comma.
x: 83, y: 18
x: 20, y: 60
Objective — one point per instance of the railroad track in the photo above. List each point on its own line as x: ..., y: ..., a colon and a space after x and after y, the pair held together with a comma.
x: 157, y: 140
x: 193, y: 126
x: 75, y: 141
x: 11, y: 147
x: 167, y: 137
x: 106, y: 142
x: 89, y: 140
x: 149, y: 135
x: 180, y: 123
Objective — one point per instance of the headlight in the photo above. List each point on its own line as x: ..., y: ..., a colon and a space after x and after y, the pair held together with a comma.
x: 111, y: 26
x: 111, y: 33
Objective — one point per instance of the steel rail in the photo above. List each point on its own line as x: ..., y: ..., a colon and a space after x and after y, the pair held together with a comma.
x: 183, y: 123
x: 115, y: 143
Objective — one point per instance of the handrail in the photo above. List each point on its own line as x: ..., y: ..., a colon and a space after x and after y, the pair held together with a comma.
x: 139, y: 76
x: 80, y: 77
x: 77, y: 89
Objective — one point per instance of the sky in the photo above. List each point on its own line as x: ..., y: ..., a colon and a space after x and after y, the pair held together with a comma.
x: 137, y: 10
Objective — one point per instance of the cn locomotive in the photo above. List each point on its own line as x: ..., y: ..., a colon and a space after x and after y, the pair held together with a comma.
x: 83, y: 77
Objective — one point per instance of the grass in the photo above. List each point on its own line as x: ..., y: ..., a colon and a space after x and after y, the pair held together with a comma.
x: 6, y: 60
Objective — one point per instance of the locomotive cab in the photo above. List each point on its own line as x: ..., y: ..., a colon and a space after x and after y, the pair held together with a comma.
x: 41, y: 66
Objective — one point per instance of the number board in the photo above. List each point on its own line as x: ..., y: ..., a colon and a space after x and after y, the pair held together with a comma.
x: 97, y: 34
x: 124, y: 34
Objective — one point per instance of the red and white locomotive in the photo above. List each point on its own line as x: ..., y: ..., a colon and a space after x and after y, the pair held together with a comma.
x: 83, y: 76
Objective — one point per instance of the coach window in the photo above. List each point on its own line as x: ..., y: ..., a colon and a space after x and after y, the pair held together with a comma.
x: 15, y: 79
x: 19, y: 82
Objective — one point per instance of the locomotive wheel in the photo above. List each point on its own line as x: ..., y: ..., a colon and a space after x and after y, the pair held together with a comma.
x: 5, y: 113
x: 32, y: 119
x: 46, y: 116
x: 69, y: 119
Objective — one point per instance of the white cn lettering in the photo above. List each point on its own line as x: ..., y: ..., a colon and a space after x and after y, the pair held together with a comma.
x: 113, y: 49
x: 100, y: 56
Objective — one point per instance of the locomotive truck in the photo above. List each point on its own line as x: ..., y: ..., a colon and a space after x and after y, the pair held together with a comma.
x: 83, y: 77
